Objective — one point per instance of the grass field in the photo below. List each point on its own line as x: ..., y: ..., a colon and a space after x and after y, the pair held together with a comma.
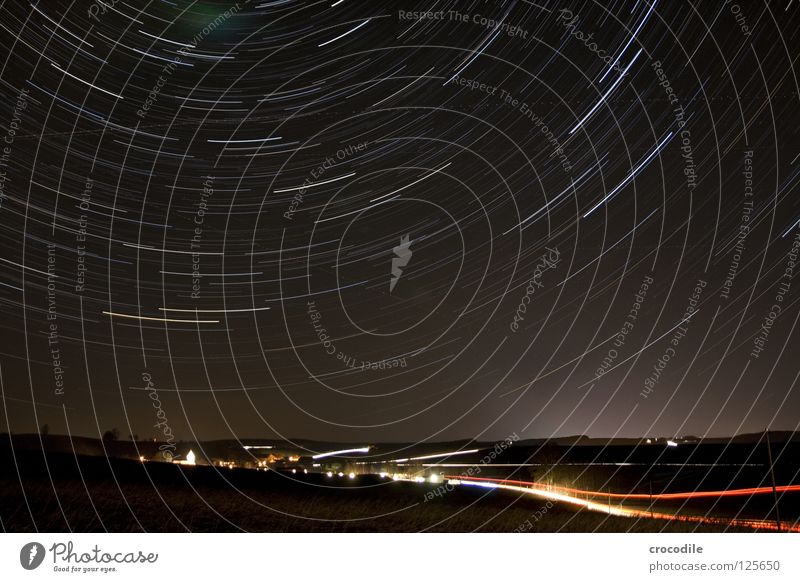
x: 85, y: 494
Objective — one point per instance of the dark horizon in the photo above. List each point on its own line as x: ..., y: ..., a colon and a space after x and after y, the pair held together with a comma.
x: 290, y: 439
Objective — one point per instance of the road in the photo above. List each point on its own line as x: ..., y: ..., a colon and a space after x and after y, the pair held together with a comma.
x: 601, y: 501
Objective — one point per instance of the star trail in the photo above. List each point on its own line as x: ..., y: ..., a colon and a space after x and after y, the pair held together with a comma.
x: 365, y: 222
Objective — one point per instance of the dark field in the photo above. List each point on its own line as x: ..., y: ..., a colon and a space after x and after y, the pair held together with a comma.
x: 65, y: 492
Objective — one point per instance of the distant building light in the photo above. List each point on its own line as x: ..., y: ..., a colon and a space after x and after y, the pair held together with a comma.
x: 190, y: 459
x: 672, y: 444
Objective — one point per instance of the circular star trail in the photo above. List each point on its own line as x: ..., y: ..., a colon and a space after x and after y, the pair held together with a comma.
x: 368, y: 222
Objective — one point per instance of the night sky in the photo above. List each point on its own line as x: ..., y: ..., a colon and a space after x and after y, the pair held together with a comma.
x: 379, y: 221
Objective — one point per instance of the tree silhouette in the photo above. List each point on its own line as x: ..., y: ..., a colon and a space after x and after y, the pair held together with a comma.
x: 111, y: 435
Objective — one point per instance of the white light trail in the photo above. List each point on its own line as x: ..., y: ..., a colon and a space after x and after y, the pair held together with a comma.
x: 436, y: 456
x: 341, y: 452
x: 87, y: 83
x: 147, y: 248
x: 243, y: 140
x: 306, y: 186
x: 630, y: 176
x: 607, y: 93
x: 633, y: 36
x: 166, y: 39
x: 412, y: 183
x: 345, y: 34
x: 213, y: 310
x: 145, y: 318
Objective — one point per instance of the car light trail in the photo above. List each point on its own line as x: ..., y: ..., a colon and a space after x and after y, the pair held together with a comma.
x: 558, y: 494
x: 655, y: 496
x: 342, y: 452
x: 436, y: 456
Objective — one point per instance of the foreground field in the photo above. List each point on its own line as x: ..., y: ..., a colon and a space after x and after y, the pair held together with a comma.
x: 80, y: 494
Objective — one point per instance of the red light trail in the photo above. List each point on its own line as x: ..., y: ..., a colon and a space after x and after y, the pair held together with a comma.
x: 566, y: 494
